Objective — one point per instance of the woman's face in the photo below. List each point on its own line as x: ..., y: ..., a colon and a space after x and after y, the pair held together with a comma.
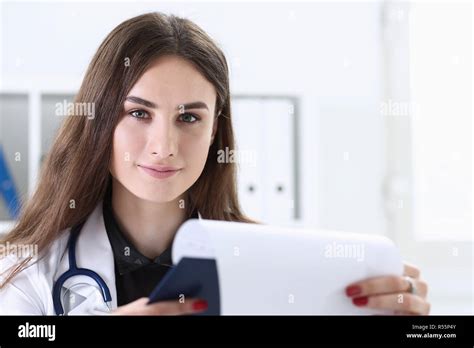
x: 168, y: 121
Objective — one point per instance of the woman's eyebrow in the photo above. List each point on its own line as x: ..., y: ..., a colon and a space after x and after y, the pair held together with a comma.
x: 180, y: 107
x: 141, y: 101
x: 194, y: 105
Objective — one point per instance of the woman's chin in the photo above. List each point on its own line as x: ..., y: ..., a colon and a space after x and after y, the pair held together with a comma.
x: 159, y: 196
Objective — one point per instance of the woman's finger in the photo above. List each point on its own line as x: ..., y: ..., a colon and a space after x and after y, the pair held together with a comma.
x: 411, y: 271
x: 175, y: 307
x: 401, y: 303
x: 142, y: 307
x: 385, y: 285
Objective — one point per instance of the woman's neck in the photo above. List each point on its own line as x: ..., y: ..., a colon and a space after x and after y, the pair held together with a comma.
x: 149, y: 226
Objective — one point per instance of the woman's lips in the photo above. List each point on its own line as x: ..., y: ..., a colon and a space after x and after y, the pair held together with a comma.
x: 160, y: 174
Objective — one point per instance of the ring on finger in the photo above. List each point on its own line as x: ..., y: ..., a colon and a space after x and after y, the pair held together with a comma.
x: 411, y: 285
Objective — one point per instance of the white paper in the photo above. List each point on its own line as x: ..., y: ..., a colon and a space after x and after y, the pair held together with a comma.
x: 268, y: 270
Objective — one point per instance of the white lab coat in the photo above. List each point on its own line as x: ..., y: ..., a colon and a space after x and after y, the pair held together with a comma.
x: 30, y: 292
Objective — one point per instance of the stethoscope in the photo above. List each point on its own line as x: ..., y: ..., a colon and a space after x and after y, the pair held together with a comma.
x: 74, y: 271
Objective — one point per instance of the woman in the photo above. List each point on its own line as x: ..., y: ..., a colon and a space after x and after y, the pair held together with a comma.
x: 121, y: 183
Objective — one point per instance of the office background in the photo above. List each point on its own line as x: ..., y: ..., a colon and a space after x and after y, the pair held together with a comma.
x: 352, y: 116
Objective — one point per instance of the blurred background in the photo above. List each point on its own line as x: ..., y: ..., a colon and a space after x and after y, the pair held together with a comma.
x: 352, y: 116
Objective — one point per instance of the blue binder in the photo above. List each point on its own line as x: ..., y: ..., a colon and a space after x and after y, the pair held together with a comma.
x: 7, y: 188
x: 193, y: 278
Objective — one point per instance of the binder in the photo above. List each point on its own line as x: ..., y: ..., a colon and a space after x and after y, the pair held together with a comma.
x: 7, y: 188
x: 193, y: 278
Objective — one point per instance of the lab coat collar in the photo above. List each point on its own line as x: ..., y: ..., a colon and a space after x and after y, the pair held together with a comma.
x: 95, y: 252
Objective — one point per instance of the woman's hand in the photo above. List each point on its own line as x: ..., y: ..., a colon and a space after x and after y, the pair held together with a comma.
x: 140, y: 307
x: 405, y: 295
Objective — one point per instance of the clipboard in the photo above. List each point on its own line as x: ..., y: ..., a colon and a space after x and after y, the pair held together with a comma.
x: 193, y: 278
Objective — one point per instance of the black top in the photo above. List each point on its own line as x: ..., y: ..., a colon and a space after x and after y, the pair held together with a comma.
x: 135, y: 275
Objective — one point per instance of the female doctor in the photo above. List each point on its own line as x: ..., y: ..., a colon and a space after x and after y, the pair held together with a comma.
x: 117, y: 185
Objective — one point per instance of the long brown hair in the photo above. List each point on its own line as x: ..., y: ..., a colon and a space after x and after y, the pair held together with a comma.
x: 76, y: 171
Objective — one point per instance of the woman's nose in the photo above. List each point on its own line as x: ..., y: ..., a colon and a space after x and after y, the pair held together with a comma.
x: 162, y: 140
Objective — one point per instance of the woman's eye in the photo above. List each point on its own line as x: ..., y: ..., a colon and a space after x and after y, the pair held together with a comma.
x: 140, y: 114
x: 188, y: 118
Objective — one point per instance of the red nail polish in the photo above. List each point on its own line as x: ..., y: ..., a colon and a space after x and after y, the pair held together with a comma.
x: 200, y: 305
x: 360, y: 301
x: 353, y: 290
